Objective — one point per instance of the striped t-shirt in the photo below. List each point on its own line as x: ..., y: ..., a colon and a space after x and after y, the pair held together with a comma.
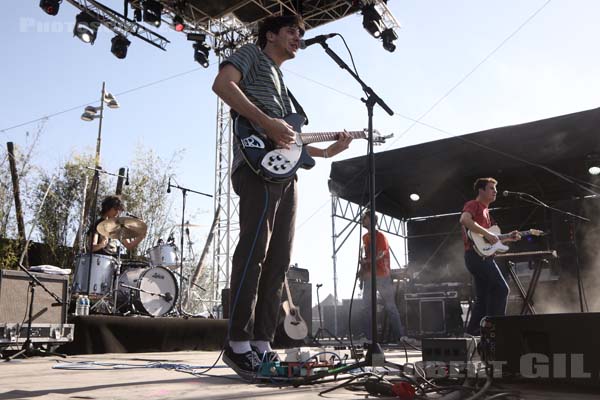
x: 262, y: 83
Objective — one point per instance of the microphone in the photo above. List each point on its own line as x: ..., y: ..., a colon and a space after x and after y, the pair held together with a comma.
x: 128, y: 214
x: 507, y: 193
x: 169, y: 187
x: 317, y: 39
x: 127, y: 178
x: 319, y: 285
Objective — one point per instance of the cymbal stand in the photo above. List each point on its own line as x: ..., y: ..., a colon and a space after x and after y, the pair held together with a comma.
x: 184, y: 192
x: 117, y: 274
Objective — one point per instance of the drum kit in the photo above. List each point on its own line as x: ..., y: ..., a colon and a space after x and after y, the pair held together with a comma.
x: 146, y: 287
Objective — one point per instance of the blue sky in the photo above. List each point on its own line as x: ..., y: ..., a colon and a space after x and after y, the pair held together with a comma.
x: 464, y: 65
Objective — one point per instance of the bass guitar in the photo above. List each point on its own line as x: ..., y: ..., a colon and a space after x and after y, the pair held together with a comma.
x: 293, y: 324
x: 278, y: 164
x: 486, y: 249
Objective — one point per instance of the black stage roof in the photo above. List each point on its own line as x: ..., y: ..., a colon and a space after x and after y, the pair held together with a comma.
x: 442, y: 172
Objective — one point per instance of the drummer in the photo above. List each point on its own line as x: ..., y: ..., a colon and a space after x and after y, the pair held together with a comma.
x: 112, y: 206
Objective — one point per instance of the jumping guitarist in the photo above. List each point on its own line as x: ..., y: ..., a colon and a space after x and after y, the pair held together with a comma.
x: 251, y: 83
x: 491, y: 289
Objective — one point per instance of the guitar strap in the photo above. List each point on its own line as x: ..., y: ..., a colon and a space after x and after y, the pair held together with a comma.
x: 297, y: 106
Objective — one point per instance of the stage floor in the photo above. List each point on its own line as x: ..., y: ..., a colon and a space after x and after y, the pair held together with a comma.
x: 35, y: 378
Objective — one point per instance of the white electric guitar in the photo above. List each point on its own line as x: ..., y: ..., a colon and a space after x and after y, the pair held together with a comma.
x: 293, y: 324
x: 486, y: 249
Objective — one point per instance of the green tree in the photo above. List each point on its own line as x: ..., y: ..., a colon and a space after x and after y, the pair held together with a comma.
x: 10, y: 249
x: 59, y: 216
x: 146, y: 196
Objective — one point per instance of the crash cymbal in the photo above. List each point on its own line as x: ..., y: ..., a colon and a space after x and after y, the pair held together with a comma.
x: 122, y: 228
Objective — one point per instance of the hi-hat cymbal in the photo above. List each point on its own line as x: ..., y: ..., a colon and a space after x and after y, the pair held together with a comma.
x: 188, y: 225
x: 122, y: 228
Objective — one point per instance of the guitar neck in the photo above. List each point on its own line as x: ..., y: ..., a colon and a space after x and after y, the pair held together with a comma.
x: 316, y: 137
x: 507, y: 235
x: 289, y: 295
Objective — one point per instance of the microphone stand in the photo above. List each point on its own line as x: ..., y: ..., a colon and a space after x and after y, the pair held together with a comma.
x: 375, y: 356
x: 184, y: 192
x: 572, y: 218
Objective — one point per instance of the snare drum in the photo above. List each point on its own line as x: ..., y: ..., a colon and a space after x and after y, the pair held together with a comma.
x: 164, y: 255
x: 152, y: 291
x: 102, y: 270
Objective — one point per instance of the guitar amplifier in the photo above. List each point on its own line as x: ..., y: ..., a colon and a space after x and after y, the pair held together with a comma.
x: 15, y: 297
x: 432, y: 313
x: 296, y: 274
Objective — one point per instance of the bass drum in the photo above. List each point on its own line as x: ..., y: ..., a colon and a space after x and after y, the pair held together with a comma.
x: 152, y: 291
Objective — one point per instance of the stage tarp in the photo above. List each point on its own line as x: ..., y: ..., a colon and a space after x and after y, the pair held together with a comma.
x: 442, y: 172
x: 96, y: 334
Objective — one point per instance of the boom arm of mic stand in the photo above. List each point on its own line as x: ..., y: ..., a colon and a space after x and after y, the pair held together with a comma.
x: 370, y: 93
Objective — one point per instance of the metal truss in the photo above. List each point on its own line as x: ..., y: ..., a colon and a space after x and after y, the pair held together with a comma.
x: 351, y: 213
x: 120, y: 24
x: 198, y: 14
x: 232, y: 34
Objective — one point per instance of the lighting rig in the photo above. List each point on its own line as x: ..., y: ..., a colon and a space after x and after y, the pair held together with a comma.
x: 211, y: 19
x: 94, y: 14
x: 379, y: 22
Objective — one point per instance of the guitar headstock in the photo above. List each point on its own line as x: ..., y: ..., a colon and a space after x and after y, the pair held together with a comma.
x: 378, y: 138
x: 536, y: 232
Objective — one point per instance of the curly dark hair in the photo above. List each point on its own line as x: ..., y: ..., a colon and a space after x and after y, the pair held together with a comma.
x: 111, y: 202
x: 275, y: 23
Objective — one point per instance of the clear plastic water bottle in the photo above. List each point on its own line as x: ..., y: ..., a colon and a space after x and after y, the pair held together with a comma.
x: 79, y: 306
x: 86, y: 305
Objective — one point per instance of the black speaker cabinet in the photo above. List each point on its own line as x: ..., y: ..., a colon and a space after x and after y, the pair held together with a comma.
x: 225, y: 301
x: 436, y: 313
x: 15, y: 297
x: 547, y: 347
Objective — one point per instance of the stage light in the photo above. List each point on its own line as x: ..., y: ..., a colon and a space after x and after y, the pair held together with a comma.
x: 201, y: 50
x: 414, y: 197
x: 89, y: 114
x: 137, y: 14
x: 50, y: 7
x: 595, y: 170
x: 119, y: 47
x: 372, y: 20
x: 152, y: 12
x: 86, y: 27
x: 110, y: 100
x: 388, y: 36
x: 178, y: 23
x: 91, y: 110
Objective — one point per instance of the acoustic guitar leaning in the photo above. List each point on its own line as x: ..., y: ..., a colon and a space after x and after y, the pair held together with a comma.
x: 293, y: 324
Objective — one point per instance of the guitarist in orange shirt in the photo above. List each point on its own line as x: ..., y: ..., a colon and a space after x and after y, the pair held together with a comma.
x: 384, y: 280
x: 491, y: 289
